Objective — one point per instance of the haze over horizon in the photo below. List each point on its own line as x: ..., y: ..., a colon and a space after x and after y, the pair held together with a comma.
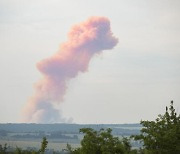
x: 133, y: 81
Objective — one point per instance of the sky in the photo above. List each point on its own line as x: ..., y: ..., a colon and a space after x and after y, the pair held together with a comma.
x: 133, y: 81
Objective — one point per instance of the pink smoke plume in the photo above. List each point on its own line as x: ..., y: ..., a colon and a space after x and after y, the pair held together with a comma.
x: 84, y: 41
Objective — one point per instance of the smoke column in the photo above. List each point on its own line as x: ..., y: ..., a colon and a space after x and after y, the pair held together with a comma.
x: 84, y: 41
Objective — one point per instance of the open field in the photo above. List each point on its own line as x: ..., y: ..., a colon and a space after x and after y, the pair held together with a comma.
x: 36, y: 144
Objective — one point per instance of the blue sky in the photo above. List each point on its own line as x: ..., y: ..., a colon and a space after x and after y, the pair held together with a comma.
x: 134, y: 81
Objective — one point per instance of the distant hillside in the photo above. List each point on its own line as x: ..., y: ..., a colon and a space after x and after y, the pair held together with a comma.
x: 69, y: 128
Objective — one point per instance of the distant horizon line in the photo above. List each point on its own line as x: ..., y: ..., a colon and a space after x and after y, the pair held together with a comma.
x: 72, y: 123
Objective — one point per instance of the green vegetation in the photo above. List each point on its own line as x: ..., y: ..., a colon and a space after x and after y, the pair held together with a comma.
x: 161, y: 136
x: 101, y: 142
x: 3, y: 148
x: 43, y: 145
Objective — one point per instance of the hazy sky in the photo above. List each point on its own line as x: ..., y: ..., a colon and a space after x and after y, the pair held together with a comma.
x: 134, y: 81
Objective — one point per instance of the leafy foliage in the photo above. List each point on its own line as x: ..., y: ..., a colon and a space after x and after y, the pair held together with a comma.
x: 161, y: 136
x: 43, y: 145
x: 3, y: 148
x: 101, y: 142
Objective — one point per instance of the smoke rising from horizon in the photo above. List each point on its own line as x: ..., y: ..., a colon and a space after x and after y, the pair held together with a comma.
x: 84, y: 41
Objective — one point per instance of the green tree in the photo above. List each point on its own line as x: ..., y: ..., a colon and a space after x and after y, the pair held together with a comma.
x: 3, y: 149
x: 44, y: 144
x: 101, y: 142
x: 18, y: 150
x: 161, y: 136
